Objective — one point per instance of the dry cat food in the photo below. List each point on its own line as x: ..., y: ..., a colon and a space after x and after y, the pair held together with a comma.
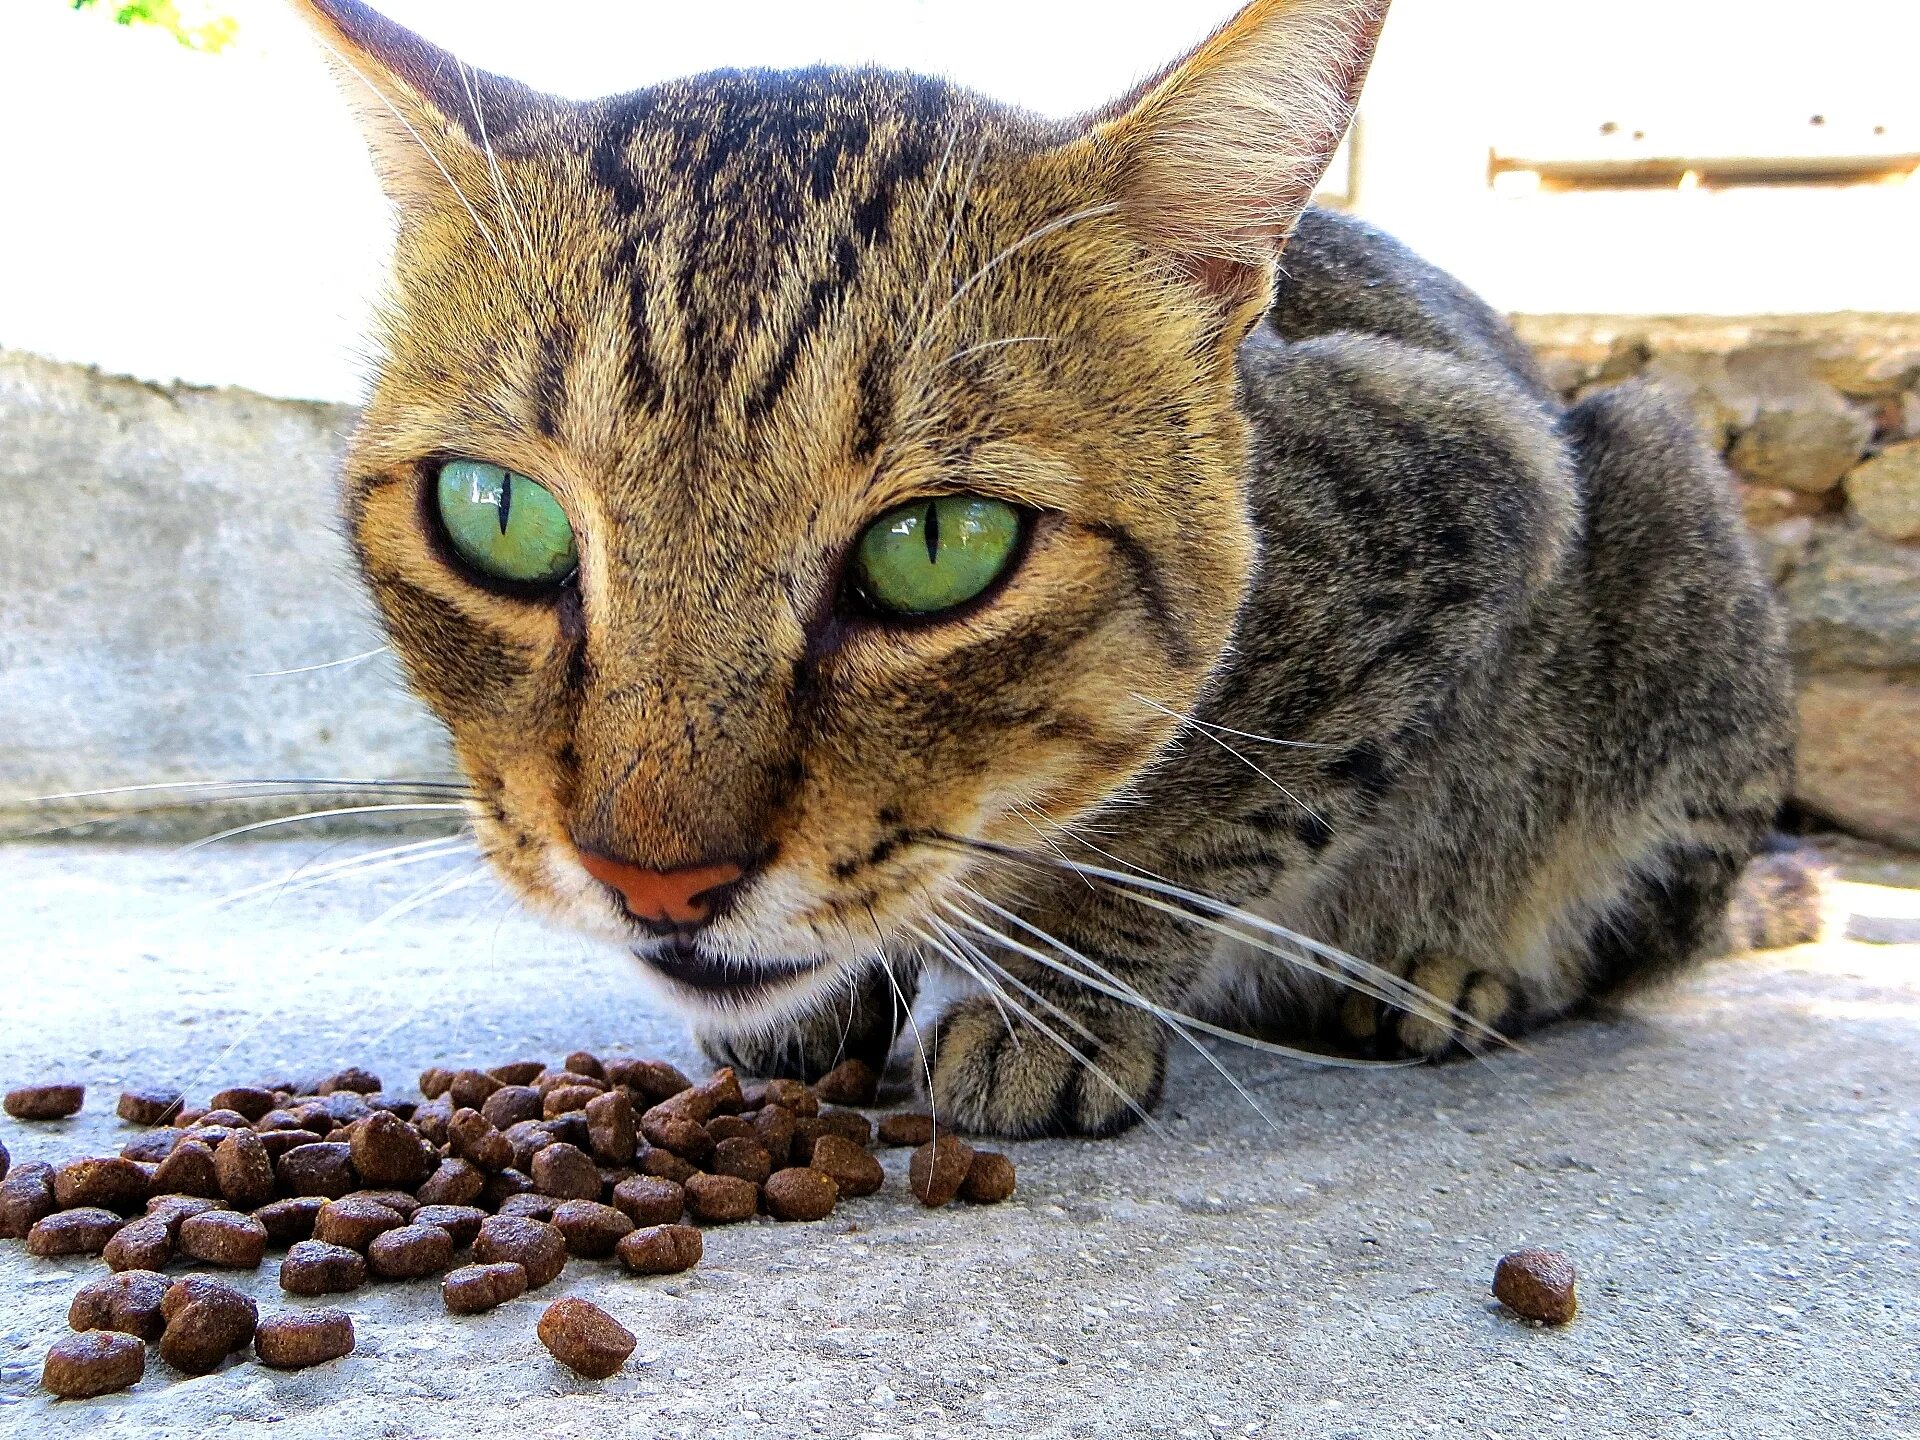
x: 488, y: 1186
x: 1537, y: 1285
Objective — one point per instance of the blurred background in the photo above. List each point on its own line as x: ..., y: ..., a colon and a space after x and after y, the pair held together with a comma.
x: 1718, y: 194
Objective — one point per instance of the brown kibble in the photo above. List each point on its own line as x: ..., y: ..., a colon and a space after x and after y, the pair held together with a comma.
x: 474, y: 1138
x: 906, y: 1128
x: 107, y: 1182
x: 566, y: 1173
x: 98, y: 1362
x: 245, y: 1171
x: 503, y: 1186
x: 223, y: 1121
x: 650, y: 1200
x: 149, y: 1147
x: 584, y: 1062
x: 990, y: 1178
x: 434, y: 1081
x: 800, y: 1193
x: 143, y: 1244
x: 744, y: 1157
x: 511, y: 1104
x: 45, y: 1102
x: 462, y: 1222
x: 650, y: 1080
x: 148, y: 1107
x: 585, y: 1338
x: 353, y: 1222
x: 528, y: 1138
x: 590, y: 1229
x: 1537, y: 1285
x: 531, y: 1206
x: 549, y: 1081
x: 851, y: 1082
x: 671, y: 1127
x: 278, y: 1142
x: 174, y: 1209
x: 850, y: 1123
x: 290, y: 1221
x: 721, y: 1199
x: 533, y: 1244
x: 188, y: 1170
x: 302, y: 1338
x: 128, y: 1302
x: 456, y: 1182
x: 432, y: 1119
x: 612, y: 1128
x: 313, y: 1267
x: 224, y: 1237
x: 473, y: 1288
x: 938, y: 1169
x: 667, y: 1166
x: 773, y: 1128
x: 73, y: 1232
x: 353, y: 1080
x: 661, y: 1249
x: 796, y: 1099
x: 388, y: 1153
x: 565, y: 1099
x: 721, y: 1094
x: 730, y: 1127
x: 806, y: 1130
x: 207, y: 1320
x: 26, y: 1197
x: 245, y: 1100
x: 398, y: 1201
x: 854, y: 1171
x: 324, y: 1168
x: 409, y: 1252
x: 518, y: 1072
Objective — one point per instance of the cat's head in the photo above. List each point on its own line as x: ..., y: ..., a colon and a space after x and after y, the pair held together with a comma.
x: 772, y: 475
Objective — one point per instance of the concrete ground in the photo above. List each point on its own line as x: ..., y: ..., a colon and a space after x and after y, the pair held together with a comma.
x: 1733, y: 1165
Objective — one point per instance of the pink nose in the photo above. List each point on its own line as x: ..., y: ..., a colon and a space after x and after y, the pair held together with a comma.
x: 665, y: 897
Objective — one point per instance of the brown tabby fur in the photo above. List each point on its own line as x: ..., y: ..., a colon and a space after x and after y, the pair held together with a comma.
x: 730, y: 320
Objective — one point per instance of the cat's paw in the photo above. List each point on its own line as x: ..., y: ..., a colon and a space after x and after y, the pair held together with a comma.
x: 1470, y: 1007
x: 995, y: 1077
x: 808, y: 1045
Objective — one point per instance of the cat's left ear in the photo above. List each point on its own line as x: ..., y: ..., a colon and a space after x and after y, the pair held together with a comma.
x: 426, y: 115
x: 1215, y: 158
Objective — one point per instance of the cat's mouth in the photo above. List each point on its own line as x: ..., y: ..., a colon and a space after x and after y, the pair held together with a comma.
x: 682, y: 962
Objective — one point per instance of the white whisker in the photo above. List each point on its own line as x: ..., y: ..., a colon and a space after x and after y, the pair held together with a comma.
x: 323, y: 665
x: 314, y: 815
x: 1208, y: 734
x: 1229, y: 730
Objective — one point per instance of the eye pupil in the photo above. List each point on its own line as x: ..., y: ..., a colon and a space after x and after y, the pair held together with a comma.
x: 505, y: 525
x: 506, y: 504
x: 936, y: 554
x: 932, y: 524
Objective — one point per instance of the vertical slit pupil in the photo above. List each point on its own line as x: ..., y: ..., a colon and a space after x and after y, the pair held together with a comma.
x: 932, y: 527
x: 506, y: 502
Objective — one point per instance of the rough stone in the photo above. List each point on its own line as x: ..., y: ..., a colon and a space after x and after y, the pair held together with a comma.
x: 1884, y: 491
x: 1854, y: 601
x: 1807, y: 449
x: 1860, y: 755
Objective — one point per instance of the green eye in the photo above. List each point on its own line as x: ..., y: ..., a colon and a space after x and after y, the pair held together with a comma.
x: 505, y: 525
x: 931, y: 555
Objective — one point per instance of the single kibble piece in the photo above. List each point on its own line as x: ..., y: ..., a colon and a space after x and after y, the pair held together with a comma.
x: 730, y: 1127
x: 990, y: 1178
x: 398, y: 1201
x: 743, y: 1156
x: 853, y: 1170
x: 796, y: 1099
x: 432, y: 1119
x: 469, y: 1089
x: 851, y: 1082
x: 143, y: 1244
x: 128, y: 1302
x: 661, y: 1249
x: 938, y: 1169
x: 154, y: 1106
x: 651, y: 1081
x: 409, y: 1252
x: 906, y: 1129
x: 174, y: 1209
x: 222, y: 1120
x: 207, y: 1320
x: 552, y: 1080
x: 302, y: 1338
x: 530, y: 1206
x: 26, y: 1197
x: 585, y: 1062
x: 462, y: 1222
x: 503, y: 1186
x: 107, y: 1181
x: 590, y: 1229
x: 290, y: 1221
x: 247, y: 1100
x: 324, y: 1168
x: 278, y: 1142
x: 313, y: 1267
x: 352, y: 1079
x: 800, y: 1193
x: 612, y: 1128
x: 150, y: 1146
x: 73, y: 1232
x: 475, y: 1139
x: 721, y: 1199
x: 518, y: 1072
x: 566, y: 1099
x: 389, y: 1153
x: 45, y: 1102
x: 354, y: 1222
x: 98, y: 1362
x: 585, y: 1338
x: 456, y: 1182
x: 188, y: 1170
x: 224, y: 1237
x: 474, y: 1288
x: 434, y: 1081
x: 666, y: 1165
x: 566, y: 1173
x: 1537, y: 1285
x: 850, y: 1123
x: 671, y: 1127
x: 245, y: 1170
x: 650, y: 1200
x: 773, y: 1128
x: 511, y: 1104
x: 533, y: 1244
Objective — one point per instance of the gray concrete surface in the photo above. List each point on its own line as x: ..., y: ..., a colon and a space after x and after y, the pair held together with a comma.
x: 166, y: 550
x: 1732, y: 1164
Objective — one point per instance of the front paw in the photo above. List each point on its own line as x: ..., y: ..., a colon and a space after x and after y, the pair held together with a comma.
x: 1460, y: 1011
x: 808, y: 1045
x: 994, y: 1076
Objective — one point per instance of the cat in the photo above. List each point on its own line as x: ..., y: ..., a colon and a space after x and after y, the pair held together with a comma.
x: 850, y: 527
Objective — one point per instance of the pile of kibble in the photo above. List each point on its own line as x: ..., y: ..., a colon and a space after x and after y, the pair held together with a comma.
x: 521, y: 1167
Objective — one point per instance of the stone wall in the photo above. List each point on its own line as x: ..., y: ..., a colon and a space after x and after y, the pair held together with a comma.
x: 1819, y: 416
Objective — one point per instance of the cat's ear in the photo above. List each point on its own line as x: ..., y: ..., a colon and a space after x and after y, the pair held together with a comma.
x: 1216, y: 157
x: 425, y: 114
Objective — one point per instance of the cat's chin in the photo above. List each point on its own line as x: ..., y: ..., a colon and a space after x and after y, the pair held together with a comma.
x: 709, y: 980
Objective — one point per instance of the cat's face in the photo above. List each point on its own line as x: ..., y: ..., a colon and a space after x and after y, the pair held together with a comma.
x: 725, y: 326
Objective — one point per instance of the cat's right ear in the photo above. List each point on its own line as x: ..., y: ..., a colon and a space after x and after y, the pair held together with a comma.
x: 426, y: 115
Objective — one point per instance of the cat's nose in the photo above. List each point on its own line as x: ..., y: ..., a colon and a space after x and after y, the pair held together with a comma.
x: 669, y: 899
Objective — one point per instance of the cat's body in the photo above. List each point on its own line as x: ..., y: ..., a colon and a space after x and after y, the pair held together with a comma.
x: 1324, y: 620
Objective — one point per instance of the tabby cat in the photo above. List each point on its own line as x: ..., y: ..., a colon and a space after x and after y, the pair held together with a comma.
x: 851, y: 527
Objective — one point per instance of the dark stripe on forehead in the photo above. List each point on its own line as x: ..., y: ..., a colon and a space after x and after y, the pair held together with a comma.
x: 821, y: 296
x: 548, y: 385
